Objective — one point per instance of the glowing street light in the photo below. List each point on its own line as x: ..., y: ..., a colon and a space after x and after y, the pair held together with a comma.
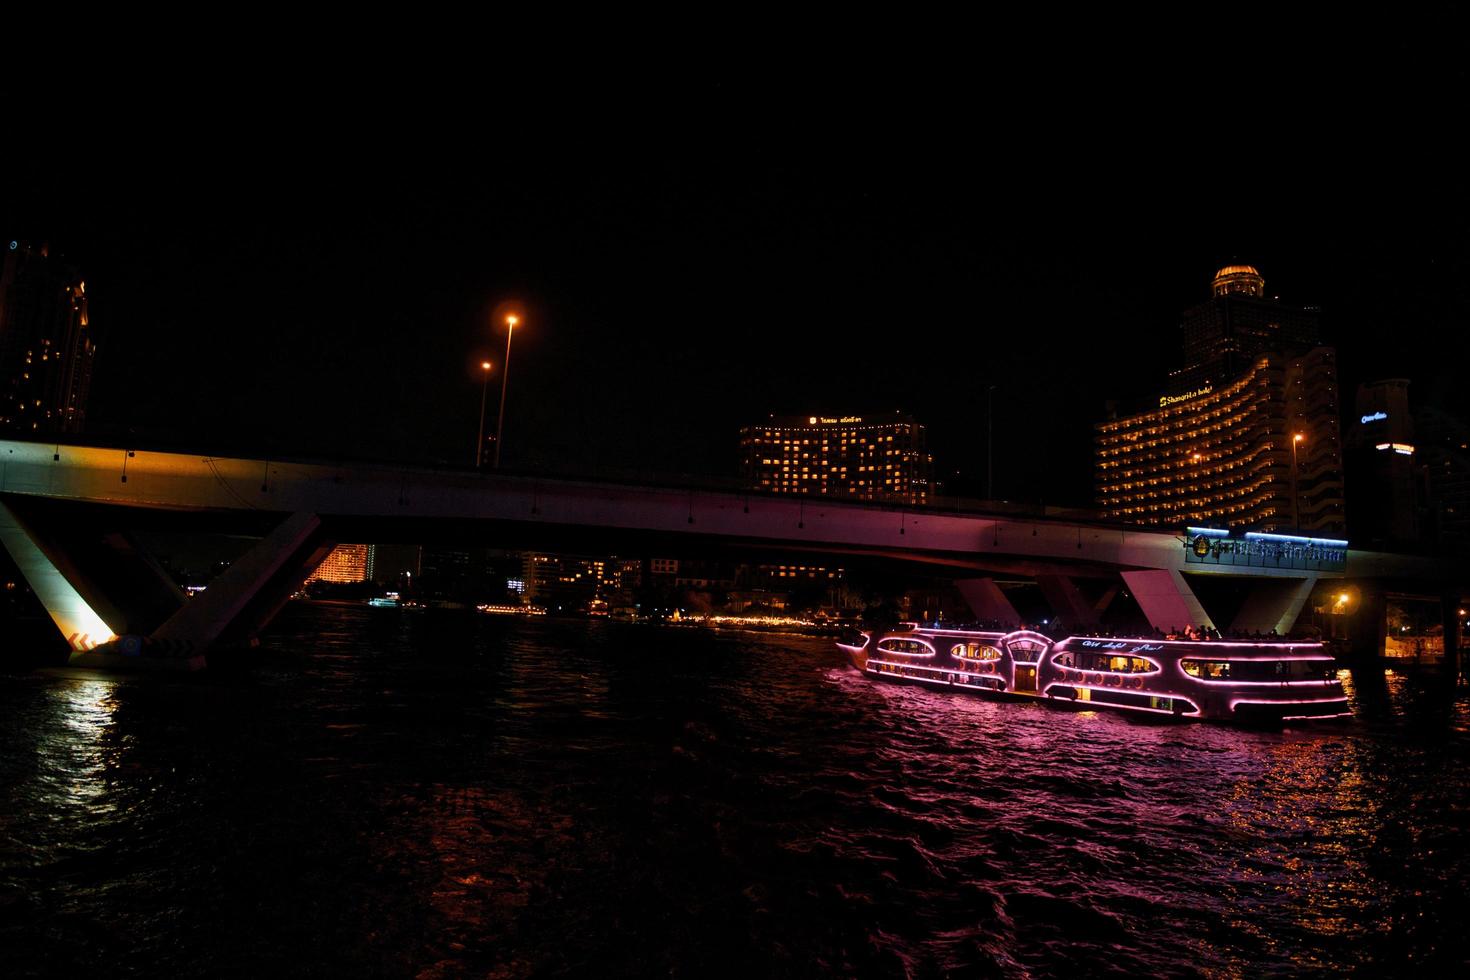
x: 480, y: 437
x: 1296, y: 521
x: 510, y: 329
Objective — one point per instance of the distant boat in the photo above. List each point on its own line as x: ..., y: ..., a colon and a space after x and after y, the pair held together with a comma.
x: 1262, y: 681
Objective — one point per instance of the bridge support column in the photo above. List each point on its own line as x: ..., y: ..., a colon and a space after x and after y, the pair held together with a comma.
x: 250, y: 592
x: 1450, y: 605
x: 1274, y: 604
x: 82, y: 626
x: 1166, y: 599
x: 1367, y: 630
x: 1067, y: 602
x: 987, y: 601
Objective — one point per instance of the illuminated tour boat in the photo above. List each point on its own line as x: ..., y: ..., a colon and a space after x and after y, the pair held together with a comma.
x: 1268, y: 681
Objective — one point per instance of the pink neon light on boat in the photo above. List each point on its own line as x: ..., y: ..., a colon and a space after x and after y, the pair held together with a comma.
x: 1217, y: 683
x: 1127, y: 707
x: 1235, y: 701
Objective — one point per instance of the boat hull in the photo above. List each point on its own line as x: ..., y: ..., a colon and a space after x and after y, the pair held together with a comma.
x: 1252, y: 683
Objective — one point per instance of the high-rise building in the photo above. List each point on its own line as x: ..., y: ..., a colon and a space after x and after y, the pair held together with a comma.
x: 848, y: 457
x: 1223, y: 336
x: 46, y: 346
x: 1444, y: 448
x: 346, y: 563
x: 1258, y: 449
x: 1389, y: 490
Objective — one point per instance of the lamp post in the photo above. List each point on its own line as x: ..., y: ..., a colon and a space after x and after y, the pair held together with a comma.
x: 510, y: 329
x: 990, y: 443
x: 480, y: 436
x: 1296, y: 520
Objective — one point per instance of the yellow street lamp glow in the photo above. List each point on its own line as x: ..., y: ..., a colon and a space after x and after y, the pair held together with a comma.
x: 510, y: 329
x: 1343, y: 597
x: 1298, y: 437
x: 479, y: 456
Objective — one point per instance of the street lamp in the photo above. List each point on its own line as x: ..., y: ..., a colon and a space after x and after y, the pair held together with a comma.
x: 480, y: 437
x: 510, y: 329
x: 990, y: 443
x: 1296, y: 521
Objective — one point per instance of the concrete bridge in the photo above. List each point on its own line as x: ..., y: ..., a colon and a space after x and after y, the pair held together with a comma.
x: 69, y: 516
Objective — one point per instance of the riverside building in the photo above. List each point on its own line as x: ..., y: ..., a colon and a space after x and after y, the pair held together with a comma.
x: 1252, y: 442
x: 46, y: 345
x: 848, y: 457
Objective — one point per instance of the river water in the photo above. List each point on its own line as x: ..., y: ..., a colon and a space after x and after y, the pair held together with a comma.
x: 385, y: 793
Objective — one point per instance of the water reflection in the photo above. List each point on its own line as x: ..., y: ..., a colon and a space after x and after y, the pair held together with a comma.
x: 74, y: 754
x: 385, y: 793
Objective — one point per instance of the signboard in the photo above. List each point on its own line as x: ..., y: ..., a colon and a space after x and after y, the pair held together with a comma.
x: 1123, y: 646
x: 1166, y: 400
x: 1210, y: 546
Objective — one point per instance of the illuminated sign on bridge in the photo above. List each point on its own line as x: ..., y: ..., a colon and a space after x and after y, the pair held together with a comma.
x: 1215, y: 546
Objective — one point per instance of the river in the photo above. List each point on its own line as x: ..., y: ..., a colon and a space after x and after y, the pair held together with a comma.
x: 377, y: 792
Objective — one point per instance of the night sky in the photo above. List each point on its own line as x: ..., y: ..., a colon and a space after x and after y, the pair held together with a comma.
x: 691, y: 257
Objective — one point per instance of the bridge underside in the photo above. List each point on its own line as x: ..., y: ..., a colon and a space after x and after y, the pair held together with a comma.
x: 109, y: 597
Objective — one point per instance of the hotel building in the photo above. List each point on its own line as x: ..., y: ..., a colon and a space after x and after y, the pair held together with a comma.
x: 46, y: 347
x: 346, y: 563
x: 848, y: 457
x: 1252, y: 442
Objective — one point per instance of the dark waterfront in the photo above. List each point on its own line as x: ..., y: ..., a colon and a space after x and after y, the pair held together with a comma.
x: 377, y: 792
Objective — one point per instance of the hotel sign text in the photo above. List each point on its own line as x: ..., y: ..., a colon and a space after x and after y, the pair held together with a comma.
x: 1167, y: 400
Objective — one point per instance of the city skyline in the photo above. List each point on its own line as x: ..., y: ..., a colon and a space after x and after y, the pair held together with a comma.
x: 679, y: 289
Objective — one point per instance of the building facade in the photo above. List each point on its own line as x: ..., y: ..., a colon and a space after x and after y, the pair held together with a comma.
x: 1222, y: 337
x: 46, y: 344
x: 1444, y: 448
x: 1259, y: 450
x: 346, y: 563
x: 848, y: 457
x: 1389, y: 488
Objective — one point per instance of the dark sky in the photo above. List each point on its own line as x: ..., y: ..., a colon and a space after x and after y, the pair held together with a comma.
x: 692, y: 254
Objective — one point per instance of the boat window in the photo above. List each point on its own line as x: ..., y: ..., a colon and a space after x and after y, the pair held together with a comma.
x: 1209, y: 669
x: 974, y: 651
x: 1026, y: 651
x: 911, y: 647
x: 1306, y: 669
x: 1129, y: 665
x: 1105, y: 662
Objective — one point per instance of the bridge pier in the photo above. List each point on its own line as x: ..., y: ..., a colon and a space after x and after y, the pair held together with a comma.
x: 1067, y: 601
x: 82, y: 626
x: 1274, y: 605
x: 117, y: 607
x: 1365, y: 651
x: 987, y: 601
x: 1450, y: 605
x: 248, y: 594
x: 1166, y: 599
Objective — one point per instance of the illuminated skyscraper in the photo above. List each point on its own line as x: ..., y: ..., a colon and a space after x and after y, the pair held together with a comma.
x: 1252, y: 441
x: 847, y: 457
x: 346, y: 563
x: 46, y: 347
x: 1224, y: 335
